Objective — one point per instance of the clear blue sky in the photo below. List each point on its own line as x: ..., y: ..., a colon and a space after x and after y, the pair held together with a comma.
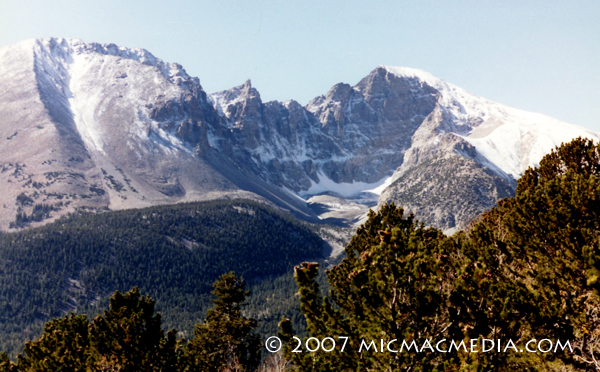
x: 541, y: 56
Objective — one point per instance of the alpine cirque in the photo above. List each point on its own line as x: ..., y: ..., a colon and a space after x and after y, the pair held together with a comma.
x: 86, y: 126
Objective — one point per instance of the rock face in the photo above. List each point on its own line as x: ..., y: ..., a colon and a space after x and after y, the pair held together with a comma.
x: 447, y: 190
x: 91, y: 126
x: 281, y: 142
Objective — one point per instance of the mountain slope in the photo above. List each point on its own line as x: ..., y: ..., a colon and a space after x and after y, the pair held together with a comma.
x: 173, y: 253
x: 86, y: 125
x: 92, y: 126
x: 494, y: 142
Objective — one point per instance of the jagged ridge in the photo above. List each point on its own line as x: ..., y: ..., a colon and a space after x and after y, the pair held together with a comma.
x: 119, y: 128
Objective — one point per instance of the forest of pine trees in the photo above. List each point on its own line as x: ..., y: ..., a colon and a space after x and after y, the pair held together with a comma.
x: 172, y: 253
x: 527, y: 269
x: 129, y: 337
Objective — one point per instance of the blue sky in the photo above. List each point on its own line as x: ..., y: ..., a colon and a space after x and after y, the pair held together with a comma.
x: 541, y: 56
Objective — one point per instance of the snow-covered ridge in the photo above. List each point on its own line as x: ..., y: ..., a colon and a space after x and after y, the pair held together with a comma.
x: 460, y: 103
x: 515, y: 145
x: 506, y: 138
x: 74, y: 74
x: 509, y: 138
x: 61, y: 47
x: 220, y: 100
x: 151, y: 123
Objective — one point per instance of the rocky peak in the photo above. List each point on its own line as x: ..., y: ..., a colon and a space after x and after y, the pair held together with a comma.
x: 340, y: 92
x: 241, y: 111
x: 135, y: 130
x: 247, y: 90
x: 398, y: 98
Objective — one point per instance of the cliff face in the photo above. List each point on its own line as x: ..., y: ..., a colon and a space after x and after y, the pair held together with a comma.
x: 91, y: 126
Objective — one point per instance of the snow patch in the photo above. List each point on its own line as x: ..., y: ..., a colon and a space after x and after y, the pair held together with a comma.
x: 344, y: 189
x: 387, y: 182
x: 523, y: 140
x: 510, y: 139
x: 84, y: 103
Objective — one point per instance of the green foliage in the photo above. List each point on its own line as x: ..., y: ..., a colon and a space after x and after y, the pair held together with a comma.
x: 391, y: 285
x: 6, y: 365
x: 225, y: 340
x: 544, y: 246
x: 527, y: 269
x: 130, y: 336
x: 64, y: 346
x: 173, y: 253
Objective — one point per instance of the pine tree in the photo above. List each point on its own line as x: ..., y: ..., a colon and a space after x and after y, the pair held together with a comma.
x: 542, y: 248
x: 6, y: 365
x: 392, y: 285
x: 225, y: 342
x: 129, y: 336
x: 63, y: 347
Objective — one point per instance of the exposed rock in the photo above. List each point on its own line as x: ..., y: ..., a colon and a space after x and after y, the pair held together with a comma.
x: 87, y: 126
x: 447, y: 190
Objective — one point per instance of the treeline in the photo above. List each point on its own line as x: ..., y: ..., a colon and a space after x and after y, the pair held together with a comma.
x: 528, y: 270
x: 128, y: 337
x: 172, y: 253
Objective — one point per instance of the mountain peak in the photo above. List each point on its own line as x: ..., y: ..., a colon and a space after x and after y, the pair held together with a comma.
x: 111, y: 126
x: 52, y: 48
x: 408, y: 72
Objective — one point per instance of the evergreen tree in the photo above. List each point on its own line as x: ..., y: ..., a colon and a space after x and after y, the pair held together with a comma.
x: 6, y: 365
x: 542, y: 249
x: 129, y: 337
x: 225, y: 342
x: 63, y: 347
x: 392, y: 285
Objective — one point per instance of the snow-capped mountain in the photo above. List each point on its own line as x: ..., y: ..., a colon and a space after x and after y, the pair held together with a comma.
x: 92, y: 126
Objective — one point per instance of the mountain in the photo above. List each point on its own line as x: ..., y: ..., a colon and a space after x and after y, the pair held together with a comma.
x: 90, y: 126
x: 87, y: 126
